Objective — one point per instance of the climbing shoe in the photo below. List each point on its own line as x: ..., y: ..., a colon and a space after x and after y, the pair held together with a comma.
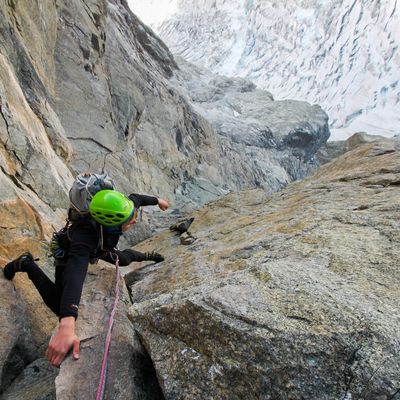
x: 17, y: 265
x: 153, y: 256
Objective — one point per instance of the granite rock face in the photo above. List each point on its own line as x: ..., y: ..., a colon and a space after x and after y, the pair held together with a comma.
x: 291, y: 295
x: 35, y: 382
x: 85, y: 85
x: 264, y: 143
x: 118, y: 97
x: 104, y: 94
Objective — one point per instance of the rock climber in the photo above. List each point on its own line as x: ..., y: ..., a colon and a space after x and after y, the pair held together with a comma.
x: 87, y: 240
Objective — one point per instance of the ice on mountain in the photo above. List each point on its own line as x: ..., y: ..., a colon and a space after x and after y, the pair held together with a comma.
x: 340, y: 54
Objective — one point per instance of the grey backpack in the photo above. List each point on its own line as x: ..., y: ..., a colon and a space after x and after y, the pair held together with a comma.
x: 83, y: 189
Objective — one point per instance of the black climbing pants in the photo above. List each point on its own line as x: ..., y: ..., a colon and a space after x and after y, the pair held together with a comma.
x: 51, y: 292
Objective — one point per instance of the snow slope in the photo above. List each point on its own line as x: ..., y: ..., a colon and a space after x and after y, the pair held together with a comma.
x: 341, y: 54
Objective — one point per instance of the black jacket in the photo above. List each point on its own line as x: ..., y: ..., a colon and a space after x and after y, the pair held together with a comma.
x: 88, y: 240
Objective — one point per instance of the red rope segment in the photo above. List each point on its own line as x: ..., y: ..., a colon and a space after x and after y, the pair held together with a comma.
x: 102, y: 380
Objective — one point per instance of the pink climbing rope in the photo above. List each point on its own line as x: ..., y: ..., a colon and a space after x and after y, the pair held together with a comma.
x: 102, y: 380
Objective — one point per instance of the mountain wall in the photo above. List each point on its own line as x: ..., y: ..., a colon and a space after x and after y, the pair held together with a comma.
x: 87, y: 86
x: 101, y: 95
x: 290, y: 295
x: 342, y: 54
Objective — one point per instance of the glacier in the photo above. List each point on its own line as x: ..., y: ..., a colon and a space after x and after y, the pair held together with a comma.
x: 340, y: 54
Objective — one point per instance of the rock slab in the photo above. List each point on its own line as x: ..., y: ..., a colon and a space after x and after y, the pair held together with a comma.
x: 294, y: 295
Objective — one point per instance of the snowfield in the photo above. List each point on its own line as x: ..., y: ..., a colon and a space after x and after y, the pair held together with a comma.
x: 341, y: 54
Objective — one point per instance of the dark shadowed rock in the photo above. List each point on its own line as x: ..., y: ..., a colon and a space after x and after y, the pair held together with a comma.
x: 35, y: 382
x: 17, y: 344
x: 253, y: 121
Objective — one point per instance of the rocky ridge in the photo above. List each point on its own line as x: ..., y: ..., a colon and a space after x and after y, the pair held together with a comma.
x: 332, y: 150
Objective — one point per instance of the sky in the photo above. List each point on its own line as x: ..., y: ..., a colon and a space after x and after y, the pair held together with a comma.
x: 152, y: 11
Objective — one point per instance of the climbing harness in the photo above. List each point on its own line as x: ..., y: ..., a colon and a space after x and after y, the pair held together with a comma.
x: 102, y: 380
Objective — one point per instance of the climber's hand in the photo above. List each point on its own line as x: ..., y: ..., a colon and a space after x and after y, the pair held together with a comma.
x: 163, y: 204
x: 62, y: 341
x: 153, y: 256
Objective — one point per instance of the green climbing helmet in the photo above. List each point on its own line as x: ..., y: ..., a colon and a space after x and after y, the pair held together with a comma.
x: 111, y: 208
